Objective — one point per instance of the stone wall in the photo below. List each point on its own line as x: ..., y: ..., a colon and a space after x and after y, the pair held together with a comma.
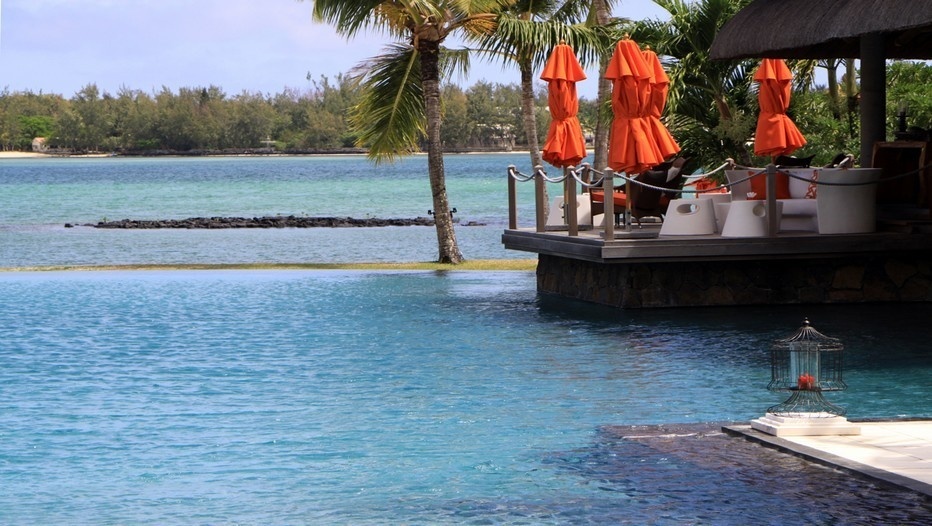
x: 843, y: 279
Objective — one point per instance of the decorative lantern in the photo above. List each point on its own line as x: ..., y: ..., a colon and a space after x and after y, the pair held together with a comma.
x: 806, y: 364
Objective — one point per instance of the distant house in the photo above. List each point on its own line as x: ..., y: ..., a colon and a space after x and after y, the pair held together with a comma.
x: 39, y: 144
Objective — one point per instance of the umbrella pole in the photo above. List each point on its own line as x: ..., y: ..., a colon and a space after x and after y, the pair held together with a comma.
x: 629, y: 186
x: 570, y: 210
x: 772, y: 226
x: 608, y: 204
x: 539, y: 201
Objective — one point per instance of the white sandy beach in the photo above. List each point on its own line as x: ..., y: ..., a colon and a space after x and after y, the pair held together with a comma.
x: 20, y: 155
x: 31, y: 155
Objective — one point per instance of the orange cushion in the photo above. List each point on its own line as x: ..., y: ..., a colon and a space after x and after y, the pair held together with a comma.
x: 619, y: 198
x: 706, y: 185
x: 759, y: 186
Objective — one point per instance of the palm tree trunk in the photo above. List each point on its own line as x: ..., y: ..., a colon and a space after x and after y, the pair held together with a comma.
x: 530, y: 120
x: 527, y: 108
x: 449, y: 251
x: 831, y: 68
x: 851, y: 94
x: 603, y: 121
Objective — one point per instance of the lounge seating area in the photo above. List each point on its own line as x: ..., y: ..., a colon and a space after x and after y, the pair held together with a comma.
x: 816, y: 200
x: 822, y: 200
x: 652, y: 199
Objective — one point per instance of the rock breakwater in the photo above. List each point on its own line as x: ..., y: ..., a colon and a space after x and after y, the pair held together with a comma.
x: 262, y: 222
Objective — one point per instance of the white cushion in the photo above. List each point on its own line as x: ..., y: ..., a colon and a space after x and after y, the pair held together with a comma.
x: 800, y: 207
x: 799, y: 188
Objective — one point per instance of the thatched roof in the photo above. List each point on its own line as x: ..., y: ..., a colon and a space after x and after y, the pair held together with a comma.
x: 826, y: 29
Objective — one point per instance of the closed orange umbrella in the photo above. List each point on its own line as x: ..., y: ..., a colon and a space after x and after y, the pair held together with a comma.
x: 776, y: 134
x: 659, y: 86
x: 565, y: 144
x: 631, y: 148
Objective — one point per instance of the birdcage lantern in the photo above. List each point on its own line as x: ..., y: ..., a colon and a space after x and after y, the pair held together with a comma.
x: 807, y: 364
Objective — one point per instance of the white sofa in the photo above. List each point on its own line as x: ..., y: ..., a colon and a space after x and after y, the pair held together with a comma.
x: 799, y: 213
x: 848, y: 209
x: 822, y: 208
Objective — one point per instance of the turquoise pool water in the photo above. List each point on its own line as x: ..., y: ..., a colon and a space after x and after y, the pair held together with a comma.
x: 295, y: 397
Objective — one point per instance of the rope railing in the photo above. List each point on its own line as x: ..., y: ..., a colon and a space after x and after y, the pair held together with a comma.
x: 516, y: 175
x: 579, y: 174
x: 582, y: 169
x: 680, y: 190
x: 879, y: 181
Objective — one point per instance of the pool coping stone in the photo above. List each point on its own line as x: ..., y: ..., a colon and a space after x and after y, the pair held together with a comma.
x: 898, y: 452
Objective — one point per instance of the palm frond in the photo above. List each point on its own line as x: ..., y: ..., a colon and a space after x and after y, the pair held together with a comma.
x: 349, y: 18
x: 389, y: 118
x: 454, y: 63
x: 516, y: 39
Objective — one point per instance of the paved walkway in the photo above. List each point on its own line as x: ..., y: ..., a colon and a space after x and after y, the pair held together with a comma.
x: 899, y: 452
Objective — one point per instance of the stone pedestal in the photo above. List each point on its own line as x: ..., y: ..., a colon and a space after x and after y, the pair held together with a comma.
x: 816, y: 425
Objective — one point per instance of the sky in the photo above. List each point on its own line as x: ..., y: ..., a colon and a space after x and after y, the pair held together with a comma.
x: 265, y: 46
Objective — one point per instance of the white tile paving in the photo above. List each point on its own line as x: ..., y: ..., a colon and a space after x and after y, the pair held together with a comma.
x: 897, y: 451
x: 903, y: 448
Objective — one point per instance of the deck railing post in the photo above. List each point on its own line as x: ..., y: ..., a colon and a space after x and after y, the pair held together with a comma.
x: 772, y: 225
x: 608, y: 189
x: 512, y: 199
x: 539, y: 198
x: 570, y: 208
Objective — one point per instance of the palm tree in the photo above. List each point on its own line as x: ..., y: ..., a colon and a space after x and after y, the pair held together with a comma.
x: 401, y: 100
x: 526, y: 34
x: 600, y: 15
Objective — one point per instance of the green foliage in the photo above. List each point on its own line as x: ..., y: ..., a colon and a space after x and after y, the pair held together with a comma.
x: 202, y: 118
x: 34, y: 126
x: 457, y: 126
x: 908, y: 89
x: 826, y: 134
x: 316, y: 118
x: 710, y: 107
x: 495, y: 110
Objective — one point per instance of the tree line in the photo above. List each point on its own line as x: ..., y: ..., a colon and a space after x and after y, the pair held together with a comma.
x: 483, y: 116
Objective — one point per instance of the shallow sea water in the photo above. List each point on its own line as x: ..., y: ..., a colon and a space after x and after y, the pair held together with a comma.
x: 315, y: 397
x: 39, y: 196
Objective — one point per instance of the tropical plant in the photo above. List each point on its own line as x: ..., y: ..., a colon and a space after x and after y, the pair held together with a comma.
x: 525, y: 35
x: 401, y: 100
x: 711, y: 107
x: 600, y: 16
x: 909, y: 92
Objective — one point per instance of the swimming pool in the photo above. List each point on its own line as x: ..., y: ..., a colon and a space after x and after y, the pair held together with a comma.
x: 296, y: 397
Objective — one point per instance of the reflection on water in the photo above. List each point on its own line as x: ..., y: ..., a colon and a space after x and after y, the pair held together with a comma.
x: 696, y: 474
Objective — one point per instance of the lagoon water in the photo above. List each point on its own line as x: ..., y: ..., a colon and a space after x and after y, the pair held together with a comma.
x: 38, y: 196
x: 336, y: 397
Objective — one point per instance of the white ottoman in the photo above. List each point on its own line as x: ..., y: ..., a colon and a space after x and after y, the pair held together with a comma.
x: 689, y: 217
x: 748, y: 219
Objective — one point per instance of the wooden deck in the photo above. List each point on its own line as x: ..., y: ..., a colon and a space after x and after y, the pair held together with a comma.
x: 590, y: 245
x: 634, y: 271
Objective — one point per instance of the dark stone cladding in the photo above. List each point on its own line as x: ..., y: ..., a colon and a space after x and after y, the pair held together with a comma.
x: 891, y: 277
